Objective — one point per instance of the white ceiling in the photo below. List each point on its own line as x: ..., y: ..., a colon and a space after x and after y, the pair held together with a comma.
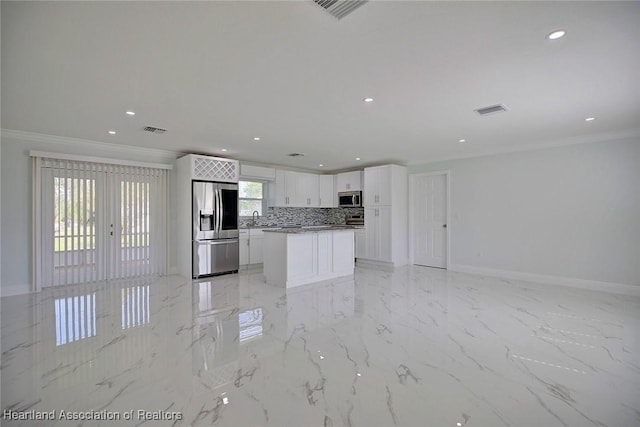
x: 217, y: 74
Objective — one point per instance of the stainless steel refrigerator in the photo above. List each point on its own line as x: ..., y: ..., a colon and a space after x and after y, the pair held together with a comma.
x: 215, y: 228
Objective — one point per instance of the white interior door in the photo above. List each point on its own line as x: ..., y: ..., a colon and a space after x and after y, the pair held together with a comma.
x: 430, y: 220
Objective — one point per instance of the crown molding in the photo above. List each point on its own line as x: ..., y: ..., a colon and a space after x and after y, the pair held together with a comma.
x: 45, y: 138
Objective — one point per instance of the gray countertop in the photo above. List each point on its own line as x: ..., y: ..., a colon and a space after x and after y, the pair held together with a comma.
x: 311, y: 229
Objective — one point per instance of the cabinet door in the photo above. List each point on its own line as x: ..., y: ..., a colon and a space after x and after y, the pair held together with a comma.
x: 341, y: 182
x: 281, y: 188
x: 312, y: 187
x: 370, y: 186
x: 355, y: 180
x: 384, y: 233
x: 371, y: 233
x: 349, y: 181
x: 378, y: 233
x: 244, y: 250
x: 293, y: 189
x: 383, y: 181
x: 255, y: 250
x: 327, y: 192
x: 377, y: 186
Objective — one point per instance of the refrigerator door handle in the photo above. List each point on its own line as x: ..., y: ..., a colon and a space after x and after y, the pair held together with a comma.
x: 215, y: 202
x: 220, y: 212
x: 217, y: 242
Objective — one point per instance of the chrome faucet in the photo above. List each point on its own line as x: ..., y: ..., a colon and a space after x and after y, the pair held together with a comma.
x: 255, y: 215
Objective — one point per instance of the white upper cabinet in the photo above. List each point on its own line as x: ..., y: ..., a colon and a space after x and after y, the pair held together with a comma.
x: 257, y: 172
x: 308, y: 188
x: 327, y: 191
x: 349, y: 181
x: 378, y: 185
x: 296, y: 189
x: 286, y: 188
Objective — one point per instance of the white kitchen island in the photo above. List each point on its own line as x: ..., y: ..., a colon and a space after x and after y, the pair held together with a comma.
x: 298, y: 256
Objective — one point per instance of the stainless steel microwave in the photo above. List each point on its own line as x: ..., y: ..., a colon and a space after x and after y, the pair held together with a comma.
x: 350, y: 199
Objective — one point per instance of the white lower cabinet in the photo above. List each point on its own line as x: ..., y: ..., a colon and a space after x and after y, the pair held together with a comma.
x: 294, y: 259
x: 378, y: 233
x: 255, y: 249
x: 251, y: 242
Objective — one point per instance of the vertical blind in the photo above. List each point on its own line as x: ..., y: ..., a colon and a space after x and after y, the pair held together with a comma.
x: 98, y: 221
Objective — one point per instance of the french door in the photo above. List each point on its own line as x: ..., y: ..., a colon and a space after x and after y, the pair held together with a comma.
x: 98, y: 222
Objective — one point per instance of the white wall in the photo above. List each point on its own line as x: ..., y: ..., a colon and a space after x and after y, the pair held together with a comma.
x: 16, y: 193
x: 571, y: 211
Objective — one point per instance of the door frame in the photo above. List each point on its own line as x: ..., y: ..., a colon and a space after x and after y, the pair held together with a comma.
x: 412, y: 186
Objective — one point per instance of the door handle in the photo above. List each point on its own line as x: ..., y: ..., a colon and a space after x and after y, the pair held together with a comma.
x: 444, y: 226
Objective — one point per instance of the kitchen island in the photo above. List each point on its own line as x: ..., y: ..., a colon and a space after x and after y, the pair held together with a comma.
x: 298, y: 256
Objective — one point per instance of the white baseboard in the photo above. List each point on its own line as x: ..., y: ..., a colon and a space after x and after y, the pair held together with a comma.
x: 593, y: 285
x: 9, y: 291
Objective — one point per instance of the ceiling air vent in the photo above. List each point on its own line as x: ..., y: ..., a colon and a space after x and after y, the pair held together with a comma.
x: 339, y: 8
x: 295, y: 155
x: 491, y: 110
x: 153, y: 129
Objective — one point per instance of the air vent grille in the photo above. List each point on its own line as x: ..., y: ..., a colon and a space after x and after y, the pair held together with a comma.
x: 339, y: 8
x: 295, y: 155
x: 154, y: 129
x: 491, y: 109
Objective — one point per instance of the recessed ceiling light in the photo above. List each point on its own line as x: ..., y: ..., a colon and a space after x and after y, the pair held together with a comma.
x: 368, y: 99
x: 130, y: 113
x: 462, y: 140
x: 589, y: 119
x: 224, y: 149
x: 321, y: 165
x: 256, y: 138
x: 111, y: 132
x: 357, y: 158
x: 556, y: 34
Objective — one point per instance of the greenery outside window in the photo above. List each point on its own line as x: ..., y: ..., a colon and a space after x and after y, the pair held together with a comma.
x: 251, y: 195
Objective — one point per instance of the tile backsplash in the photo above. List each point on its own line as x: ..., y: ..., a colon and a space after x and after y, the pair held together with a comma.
x: 302, y: 216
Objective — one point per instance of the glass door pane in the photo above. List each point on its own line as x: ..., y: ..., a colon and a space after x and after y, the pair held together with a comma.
x: 71, y: 249
x: 131, y: 252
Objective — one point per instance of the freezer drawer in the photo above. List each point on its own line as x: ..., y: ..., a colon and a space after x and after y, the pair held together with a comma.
x: 215, y: 257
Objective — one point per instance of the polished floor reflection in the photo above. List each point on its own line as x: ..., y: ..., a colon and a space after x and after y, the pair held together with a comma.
x: 413, y: 347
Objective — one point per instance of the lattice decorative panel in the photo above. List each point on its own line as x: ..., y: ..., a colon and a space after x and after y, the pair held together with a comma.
x: 215, y: 169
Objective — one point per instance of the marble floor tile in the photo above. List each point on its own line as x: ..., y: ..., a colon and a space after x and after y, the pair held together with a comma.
x: 410, y: 347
